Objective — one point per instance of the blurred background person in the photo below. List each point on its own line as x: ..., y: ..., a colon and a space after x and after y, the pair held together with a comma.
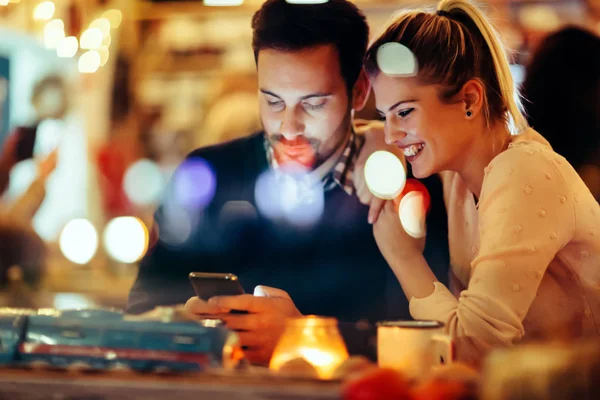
x: 562, y: 94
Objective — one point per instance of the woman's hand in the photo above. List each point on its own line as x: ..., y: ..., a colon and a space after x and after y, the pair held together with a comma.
x: 393, y: 241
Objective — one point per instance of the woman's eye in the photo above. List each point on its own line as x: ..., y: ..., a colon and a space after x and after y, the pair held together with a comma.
x: 404, y: 113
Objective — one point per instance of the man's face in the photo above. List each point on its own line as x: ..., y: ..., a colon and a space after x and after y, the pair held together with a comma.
x: 303, y: 103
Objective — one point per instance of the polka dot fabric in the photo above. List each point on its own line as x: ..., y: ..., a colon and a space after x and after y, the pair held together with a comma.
x: 527, y: 265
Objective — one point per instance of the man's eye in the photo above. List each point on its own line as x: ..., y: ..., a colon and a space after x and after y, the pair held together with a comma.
x: 275, y: 104
x: 312, y: 107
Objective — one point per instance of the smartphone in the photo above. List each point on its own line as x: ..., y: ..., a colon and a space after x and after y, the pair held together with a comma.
x: 207, y: 285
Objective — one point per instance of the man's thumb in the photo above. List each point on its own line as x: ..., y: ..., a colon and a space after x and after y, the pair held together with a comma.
x: 267, y: 291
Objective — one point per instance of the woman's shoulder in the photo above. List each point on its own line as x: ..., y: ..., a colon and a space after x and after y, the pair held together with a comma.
x: 527, y: 156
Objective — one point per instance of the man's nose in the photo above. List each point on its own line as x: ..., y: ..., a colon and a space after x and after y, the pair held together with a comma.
x: 292, y: 125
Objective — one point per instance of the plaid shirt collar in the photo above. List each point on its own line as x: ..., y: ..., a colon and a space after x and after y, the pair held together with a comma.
x: 342, y: 172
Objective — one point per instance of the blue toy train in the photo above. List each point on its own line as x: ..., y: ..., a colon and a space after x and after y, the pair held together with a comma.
x: 106, y: 339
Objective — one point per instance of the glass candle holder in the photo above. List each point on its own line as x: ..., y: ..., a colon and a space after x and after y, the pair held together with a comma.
x: 313, y: 339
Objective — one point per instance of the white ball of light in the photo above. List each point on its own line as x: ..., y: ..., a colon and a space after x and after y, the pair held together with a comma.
x: 126, y: 239
x: 385, y: 175
x: 21, y: 177
x: 89, y: 62
x: 395, y: 59
x: 143, y: 182
x: 67, y: 47
x: 79, y: 241
x: 412, y: 214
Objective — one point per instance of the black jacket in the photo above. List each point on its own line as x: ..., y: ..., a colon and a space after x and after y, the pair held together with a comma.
x: 333, y: 268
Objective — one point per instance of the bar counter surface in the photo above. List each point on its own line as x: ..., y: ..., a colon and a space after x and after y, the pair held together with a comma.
x: 20, y: 384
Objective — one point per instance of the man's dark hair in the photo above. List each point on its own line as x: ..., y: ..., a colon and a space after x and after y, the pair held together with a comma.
x: 282, y: 26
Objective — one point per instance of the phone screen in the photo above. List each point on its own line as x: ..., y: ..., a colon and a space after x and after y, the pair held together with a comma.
x: 207, y: 285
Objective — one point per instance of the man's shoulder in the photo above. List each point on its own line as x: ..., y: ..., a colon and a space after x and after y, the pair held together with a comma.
x: 246, y: 146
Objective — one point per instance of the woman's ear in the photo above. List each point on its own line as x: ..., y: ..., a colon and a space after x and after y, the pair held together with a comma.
x: 360, y: 91
x: 473, y: 97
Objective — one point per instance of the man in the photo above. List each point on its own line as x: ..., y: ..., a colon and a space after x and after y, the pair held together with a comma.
x: 309, y: 61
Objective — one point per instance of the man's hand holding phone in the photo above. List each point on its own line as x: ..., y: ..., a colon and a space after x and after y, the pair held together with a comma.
x: 259, y: 330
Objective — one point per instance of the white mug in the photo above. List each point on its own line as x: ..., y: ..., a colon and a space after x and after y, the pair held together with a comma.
x: 413, y: 347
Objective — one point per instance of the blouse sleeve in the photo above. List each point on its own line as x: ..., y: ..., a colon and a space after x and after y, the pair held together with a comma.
x: 525, y: 218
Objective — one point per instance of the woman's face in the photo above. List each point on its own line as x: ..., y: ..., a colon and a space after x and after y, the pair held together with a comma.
x: 434, y: 135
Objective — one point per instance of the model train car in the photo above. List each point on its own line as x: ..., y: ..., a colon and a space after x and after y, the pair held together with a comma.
x: 106, y: 339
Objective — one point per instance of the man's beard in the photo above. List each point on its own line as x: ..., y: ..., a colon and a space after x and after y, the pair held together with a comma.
x: 304, y: 151
x: 300, y: 150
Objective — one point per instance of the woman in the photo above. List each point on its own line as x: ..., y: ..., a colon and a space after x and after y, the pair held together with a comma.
x: 524, y: 231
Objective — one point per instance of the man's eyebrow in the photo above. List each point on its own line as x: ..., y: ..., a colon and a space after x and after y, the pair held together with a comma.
x: 306, y: 97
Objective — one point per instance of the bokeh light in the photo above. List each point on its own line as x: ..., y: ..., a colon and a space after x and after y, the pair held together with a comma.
x: 89, y: 62
x: 54, y: 32
x: 290, y: 194
x: 44, y: 11
x: 21, y: 177
x: 91, y: 39
x: 48, y: 136
x: 79, y: 241
x: 412, y: 214
x: 395, y: 59
x: 103, y: 24
x: 384, y: 174
x: 144, y: 182
x: 194, y: 184
x: 176, y: 225
x: 115, y: 17
x: 126, y: 239
x: 67, y: 47
x: 103, y: 52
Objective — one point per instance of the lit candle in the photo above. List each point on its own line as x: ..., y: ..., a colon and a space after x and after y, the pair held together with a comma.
x: 315, y: 340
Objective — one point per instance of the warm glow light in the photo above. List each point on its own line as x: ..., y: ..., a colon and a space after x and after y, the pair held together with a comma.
x: 103, y: 51
x: 385, y: 175
x: 44, y: 11
x: 315, y: 340
x: 54, y: 32
x: 103, y: 24
x: 89, y: 62
x: 126, y: 239
x: 143, y: 182
x: 106, y: 41
x: 412, y: 214
x: 91, y: 39
x: 115, y: 17
x: 4, y: 2
x: 223, y: 3
x: 67, y: 47
x: 79, y: 241
x: 316, y: 357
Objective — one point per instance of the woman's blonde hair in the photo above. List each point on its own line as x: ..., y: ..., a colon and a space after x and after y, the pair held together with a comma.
x: 453, y: 45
